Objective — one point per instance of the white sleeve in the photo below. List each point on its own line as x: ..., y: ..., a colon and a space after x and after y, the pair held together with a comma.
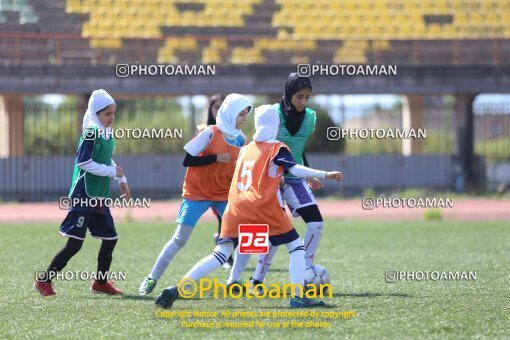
x: 303, y: 171
x: 199, y: 143
x: 98, y: 169
x: 119, y: 180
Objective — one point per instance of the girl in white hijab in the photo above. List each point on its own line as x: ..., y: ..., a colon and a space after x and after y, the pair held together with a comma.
x: 267, y: 124
x: 210, y: 160
x: 253, y: 200
x: 99, y: 100
x: 297, y: 123
x: 91, y: 183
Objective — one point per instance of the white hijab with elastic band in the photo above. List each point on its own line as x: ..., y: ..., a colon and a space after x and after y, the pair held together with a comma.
x: 97, y: 101
x: 267, y: 123
x: 227, y: 114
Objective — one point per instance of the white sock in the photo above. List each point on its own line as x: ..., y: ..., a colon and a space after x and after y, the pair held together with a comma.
x: 240, y: 262
x: 212, y: 262
x: 264, y: 263
x: 297, y: 265
x: 312, y: 239
x: 172, y: 247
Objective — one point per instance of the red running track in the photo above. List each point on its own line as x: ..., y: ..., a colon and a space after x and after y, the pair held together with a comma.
x: 476, y: 209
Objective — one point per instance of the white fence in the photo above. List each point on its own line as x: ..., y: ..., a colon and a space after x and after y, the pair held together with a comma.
x: 43, y: 178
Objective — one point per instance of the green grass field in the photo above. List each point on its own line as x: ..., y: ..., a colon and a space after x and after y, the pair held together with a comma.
x: 356, y: 254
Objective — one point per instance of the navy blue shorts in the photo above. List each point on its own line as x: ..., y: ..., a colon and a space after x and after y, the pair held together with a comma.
x: 99, y: 225
x: 276, y: 240
x: 288, y: 237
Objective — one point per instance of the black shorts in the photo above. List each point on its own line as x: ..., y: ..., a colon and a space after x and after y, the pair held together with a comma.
x: 276, y: 240
x: 99, y: 225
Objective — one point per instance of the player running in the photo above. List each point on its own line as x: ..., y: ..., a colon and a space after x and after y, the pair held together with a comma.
x: 212, y: 111
x: 210, y: 158
x: 297, y: 123
x: 253, y: 199
x: 91, y: 179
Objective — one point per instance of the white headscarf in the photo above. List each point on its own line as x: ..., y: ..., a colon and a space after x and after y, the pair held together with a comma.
x: 267, y: 122
x: 97, y: 101
x: 227, y: 114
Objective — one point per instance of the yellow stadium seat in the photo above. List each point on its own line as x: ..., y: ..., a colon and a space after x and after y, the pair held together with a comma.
x: 300, y: 60
x: 381, y: 45
x: 297, y: 30
x: 106, y: 43
x: 211, y: 56
x: 433, y: 31
x: 73, y: 6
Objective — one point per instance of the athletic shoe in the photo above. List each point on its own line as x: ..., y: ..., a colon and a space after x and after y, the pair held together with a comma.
x: 147, y: 286
x: 106, y: 288
x: 167, y: 297
x: 44, y: 288
x: 237, y: 287
x: 297, y: 302
x: 259, y: 290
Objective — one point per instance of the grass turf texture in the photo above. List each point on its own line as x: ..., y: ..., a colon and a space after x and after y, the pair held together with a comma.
x: 356, y: 254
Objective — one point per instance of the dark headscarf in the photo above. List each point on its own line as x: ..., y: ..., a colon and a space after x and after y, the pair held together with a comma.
x: 213, y: 100
x: 293, y: 118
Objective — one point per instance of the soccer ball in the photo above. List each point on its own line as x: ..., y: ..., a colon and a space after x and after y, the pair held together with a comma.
x: 316, y: 275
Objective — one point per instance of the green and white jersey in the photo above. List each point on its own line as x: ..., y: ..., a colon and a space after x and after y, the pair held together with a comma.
x: 99, y: 150
x: 297, y: 142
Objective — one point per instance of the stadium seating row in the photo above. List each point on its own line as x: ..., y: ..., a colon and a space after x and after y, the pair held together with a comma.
x: 254, y: 31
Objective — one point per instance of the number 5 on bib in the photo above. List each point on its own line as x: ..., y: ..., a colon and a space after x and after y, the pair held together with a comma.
x: 246, y: 172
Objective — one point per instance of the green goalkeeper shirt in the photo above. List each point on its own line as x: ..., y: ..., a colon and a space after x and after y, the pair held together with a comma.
x: 92, y: 148
x: 297, y: 142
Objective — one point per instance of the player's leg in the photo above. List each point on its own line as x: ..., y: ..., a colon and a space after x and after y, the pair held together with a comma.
x: 218, y: 217
x: 218, y: 209
x: 297, y: 267
x: 240, y: 262
x: 172, y: 247
x: 263, y: 264
x: 212, y: 262
x: 102, y: 227
x: 202, y: 268
x: 43, y: 284
x: 314, y: 226
x: 302, y: 203
x: 104, y: 259
x: 189, y: 213
x: 60, y: 260
x: 297, y: 257
x: 74, y: 228
x: 264, y: 260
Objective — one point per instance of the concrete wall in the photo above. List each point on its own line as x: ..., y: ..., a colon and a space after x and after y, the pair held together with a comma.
x: 255, y: 79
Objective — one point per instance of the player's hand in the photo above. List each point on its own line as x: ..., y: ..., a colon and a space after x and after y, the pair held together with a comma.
x: 119, y: 172
x: 223, y: 158
x: 124, y: 189
x: 336, y: 175
x: 315, y: 183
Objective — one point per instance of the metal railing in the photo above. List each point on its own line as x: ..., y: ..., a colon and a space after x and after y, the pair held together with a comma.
x: 59, y: 49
